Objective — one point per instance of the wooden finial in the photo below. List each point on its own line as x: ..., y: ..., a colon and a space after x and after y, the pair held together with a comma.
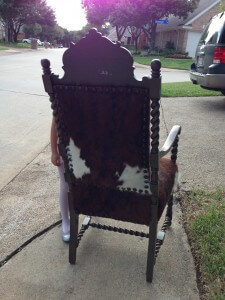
x: 45, y: 63
x: 156, y: 66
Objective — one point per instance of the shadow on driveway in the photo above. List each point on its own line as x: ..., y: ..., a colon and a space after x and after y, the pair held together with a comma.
x: 217, y: 104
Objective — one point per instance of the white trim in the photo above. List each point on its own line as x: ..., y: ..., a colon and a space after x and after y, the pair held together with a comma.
x: 188, y: 27
x: 202, y: 12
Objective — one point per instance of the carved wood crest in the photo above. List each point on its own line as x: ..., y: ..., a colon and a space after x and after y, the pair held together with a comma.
x: 97, y: 60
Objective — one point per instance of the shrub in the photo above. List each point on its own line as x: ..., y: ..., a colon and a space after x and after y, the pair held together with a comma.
x: 129, y: 47
x: 145, y: 47
x: 170, y: 45
x: 144, y: 53
x: 178, y: 55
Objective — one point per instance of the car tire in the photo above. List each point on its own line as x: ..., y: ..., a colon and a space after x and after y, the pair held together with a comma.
x: 223, y: 92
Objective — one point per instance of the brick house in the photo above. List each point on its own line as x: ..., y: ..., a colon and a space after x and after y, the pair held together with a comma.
x: 185, y: 34
x: 126, y: 39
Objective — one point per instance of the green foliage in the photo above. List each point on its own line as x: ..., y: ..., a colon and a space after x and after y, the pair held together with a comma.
x: 141, y: 14
x: 32, y: 30
x: 51, y: 33
x: 170, y: 45
x: 205, y: 216
x: 185, y: 89
x: 15, y: 13
x: 172, y: 63
x: 16, y: 45
x: 221, y: 7
x: 130, y: 47
x: 135, y: 13
x: 208, y: 230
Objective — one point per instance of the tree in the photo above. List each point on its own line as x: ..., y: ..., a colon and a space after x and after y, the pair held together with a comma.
x: 144, y: 13
x: 32, y: 30
x: 135, y: 32
x: 152, y: 10
x: 221, y: 7
x: 98, y: 11
x: 101, y: 12
x: 125, y: 17
x: 136, y: 13
x: 52, y: 33
x: 15, y: 13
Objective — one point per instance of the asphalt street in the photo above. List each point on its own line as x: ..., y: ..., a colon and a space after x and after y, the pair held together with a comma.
x: 25, y: 113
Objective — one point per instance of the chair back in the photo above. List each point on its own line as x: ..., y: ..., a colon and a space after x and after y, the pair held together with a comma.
x: 103, y: 116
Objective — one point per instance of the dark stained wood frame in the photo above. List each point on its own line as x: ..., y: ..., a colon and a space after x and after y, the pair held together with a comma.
x: 93, y: 61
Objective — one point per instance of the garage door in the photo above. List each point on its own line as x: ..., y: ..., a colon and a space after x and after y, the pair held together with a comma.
x: 192, y: 42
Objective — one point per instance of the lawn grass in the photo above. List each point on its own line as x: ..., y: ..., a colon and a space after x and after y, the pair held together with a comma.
x: 3, y: 48
x: 172, y: 63
x: 17, y: 45
x: 185, y: 89
x: 204, y: 217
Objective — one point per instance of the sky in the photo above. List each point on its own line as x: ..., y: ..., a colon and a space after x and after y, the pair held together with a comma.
x: 69, y: 13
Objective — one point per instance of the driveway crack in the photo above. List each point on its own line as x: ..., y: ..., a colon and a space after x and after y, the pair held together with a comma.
x: 17, y: 92
x: 21, y: 247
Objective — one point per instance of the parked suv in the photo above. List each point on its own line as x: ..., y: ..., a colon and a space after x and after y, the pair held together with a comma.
x: 209, y: 68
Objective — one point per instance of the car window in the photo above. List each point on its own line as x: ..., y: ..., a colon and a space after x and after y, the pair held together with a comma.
x: 205, y: 33
x: 212, y: 31
x: 222, y: 38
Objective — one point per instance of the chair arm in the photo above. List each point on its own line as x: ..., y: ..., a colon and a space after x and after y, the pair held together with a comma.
x: 175, y: 131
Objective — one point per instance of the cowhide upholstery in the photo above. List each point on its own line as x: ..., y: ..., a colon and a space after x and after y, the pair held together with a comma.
x: 124, y: 205
x: 106, y: 135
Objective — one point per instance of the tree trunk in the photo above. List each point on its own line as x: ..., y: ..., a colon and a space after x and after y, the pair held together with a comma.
x: 11, y: 32
x: 10, y: 40
x: 8, y: 28
x: 135, y: 33
x: 14, y: 37
x: 15, y: 34
x: 120, y: 30
x: 150, y: 32
x: 16, y: 30
x: 153, y: 35
x: 6, y: 33
x: 136, y: 44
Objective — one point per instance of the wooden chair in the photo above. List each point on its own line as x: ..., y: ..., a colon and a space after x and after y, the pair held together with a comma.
x: 108, y: 127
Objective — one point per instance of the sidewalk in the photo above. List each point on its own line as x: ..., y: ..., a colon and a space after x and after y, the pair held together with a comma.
x: 168, y: 75
x: 109, y: 266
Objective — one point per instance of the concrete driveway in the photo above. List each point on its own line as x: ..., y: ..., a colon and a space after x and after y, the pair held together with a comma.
x: 107, y: 266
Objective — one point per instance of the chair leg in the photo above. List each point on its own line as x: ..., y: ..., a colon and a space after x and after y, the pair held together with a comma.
x: 152, y: 244
x: 169, y: 212
x: 74, y: 220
